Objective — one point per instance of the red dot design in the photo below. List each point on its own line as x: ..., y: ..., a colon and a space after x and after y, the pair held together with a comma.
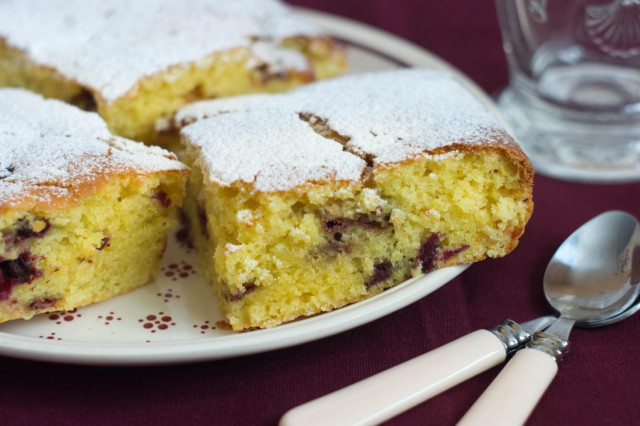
x: 204, y: 327
x: 51, y: 336
x: 176, y: 271
x: 168, y: 295
x: 60, y: 317
x: 108, y: 319
x: 153, y: 322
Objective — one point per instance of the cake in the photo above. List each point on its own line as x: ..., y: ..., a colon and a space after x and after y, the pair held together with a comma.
x: 136, y: 62
x: 304, y: 202
x: 83, y: 213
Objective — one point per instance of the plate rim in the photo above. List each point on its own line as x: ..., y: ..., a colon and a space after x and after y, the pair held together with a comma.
x: 374, y: 41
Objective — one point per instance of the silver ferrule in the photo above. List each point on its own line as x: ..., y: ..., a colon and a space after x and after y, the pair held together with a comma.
x: 550, y: 344
x: 511, y: 334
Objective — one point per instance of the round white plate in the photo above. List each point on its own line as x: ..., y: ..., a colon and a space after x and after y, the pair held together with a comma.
x: 175, y: 319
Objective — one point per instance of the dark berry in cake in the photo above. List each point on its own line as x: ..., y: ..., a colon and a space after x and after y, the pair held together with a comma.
x: 427, y: 253
x: 43, y: 303
x: 14, y: 272
x: 162, y: 197
x: 248, y: 288
x: 36, y: 229
x: 381, y: 272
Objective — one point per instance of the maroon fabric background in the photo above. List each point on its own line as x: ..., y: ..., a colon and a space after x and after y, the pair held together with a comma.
x: 597, y: 384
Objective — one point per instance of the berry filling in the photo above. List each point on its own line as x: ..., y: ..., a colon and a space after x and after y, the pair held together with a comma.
x: 381, y: 272
x: 338, y: 224
x: 248, y: 288
x: 162, y: 197
x: 104, y: 243
x: 43, y: 303
x: 429, y: 253
x: 448, y: 254
x: 14, y: 272
x: 341, y: 223
x: 26, y: 229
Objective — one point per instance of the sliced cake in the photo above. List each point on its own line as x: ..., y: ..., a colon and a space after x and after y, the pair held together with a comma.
x: 83, y: 213
x: 136, y: 62
x: 305, y: 202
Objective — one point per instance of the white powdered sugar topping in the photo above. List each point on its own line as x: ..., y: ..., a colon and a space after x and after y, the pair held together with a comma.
x: 50, y: 144
x: 277, y: 58
x: 250, y: 147
x: 109, y: 45
x: 386, y: 117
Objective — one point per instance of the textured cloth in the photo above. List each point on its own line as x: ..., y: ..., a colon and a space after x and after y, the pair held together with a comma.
x: 596, y: 384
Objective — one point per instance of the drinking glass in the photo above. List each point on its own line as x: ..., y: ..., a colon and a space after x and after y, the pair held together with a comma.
x: 573, y: 100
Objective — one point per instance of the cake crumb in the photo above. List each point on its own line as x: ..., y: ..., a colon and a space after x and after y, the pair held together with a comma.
x: 223, y: 325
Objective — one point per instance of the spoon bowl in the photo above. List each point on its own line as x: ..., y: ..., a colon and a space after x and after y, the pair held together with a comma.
x: 593, y: 277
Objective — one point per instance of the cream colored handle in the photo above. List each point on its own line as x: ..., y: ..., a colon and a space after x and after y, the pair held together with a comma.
x: 514, y: 393
x: 389, y: 393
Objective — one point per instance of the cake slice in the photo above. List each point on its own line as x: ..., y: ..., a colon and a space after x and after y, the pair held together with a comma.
x: 83, y: 214
x: 136, y: 62
x: 308, y: 201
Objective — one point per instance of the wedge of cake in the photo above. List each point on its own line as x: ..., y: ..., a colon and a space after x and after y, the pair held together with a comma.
x: 83, y: 214
x: 136, y: 62
x: 305, y: 202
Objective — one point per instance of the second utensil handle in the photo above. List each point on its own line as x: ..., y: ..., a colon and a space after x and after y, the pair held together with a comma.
x: 380, y: 397
x: 514, y: 393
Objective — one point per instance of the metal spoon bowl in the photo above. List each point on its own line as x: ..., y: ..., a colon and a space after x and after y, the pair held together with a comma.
x: 593, y: 276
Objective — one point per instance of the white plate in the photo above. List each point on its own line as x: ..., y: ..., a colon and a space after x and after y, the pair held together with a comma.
x: 173, y: 320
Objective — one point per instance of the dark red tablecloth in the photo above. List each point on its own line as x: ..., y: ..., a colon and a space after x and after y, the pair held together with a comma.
x: 597, y: 384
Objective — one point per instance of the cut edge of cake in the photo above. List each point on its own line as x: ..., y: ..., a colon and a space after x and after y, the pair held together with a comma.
x: 268, y: 227
x: 83, y: 214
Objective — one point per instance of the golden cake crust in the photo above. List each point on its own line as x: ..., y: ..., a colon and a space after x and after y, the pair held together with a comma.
x: 53, y: 154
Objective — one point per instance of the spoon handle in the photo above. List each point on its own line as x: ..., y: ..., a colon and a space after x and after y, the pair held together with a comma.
x: 380, y: 397
x: 514, y: 393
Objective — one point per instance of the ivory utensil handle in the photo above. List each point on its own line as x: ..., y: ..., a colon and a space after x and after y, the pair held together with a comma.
x: 386, y: 394
x: 514, y: 393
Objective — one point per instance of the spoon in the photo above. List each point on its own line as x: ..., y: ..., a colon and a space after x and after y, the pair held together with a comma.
x: 591, y: 280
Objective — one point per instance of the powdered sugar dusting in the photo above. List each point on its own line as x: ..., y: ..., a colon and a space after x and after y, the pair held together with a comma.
x: 394, y: 115
x: 387, y: 117
x: 47, y: 145
x: 251, y: 147
x: 277, y: 58
x: 110, y: 45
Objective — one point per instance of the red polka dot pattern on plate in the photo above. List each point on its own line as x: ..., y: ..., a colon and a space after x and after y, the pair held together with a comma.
x: 61, y: 317
x: 204, y: 327
x: 108, y: 319
x: 168, y: 295
x: 51, y: 336
x: 177, y: 271
x: 156, y: 322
